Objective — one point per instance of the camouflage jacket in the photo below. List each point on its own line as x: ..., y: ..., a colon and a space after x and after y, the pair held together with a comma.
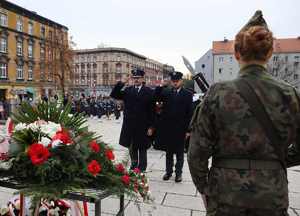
x: 224, y: 127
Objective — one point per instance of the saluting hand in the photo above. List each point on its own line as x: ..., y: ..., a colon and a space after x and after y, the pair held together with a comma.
x: 125, y: 80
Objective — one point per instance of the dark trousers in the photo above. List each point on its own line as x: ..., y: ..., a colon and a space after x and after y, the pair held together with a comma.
x: 138, y: 158
x: 170, y: 162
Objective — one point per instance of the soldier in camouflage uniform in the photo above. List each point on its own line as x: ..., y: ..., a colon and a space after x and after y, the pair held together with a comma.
x: 246, y: 177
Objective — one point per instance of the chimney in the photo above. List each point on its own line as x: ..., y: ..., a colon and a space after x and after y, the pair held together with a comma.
x: 225, y: 39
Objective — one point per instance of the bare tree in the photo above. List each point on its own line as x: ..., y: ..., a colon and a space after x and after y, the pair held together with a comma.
x: 60, y: 59
x: 282, y: 69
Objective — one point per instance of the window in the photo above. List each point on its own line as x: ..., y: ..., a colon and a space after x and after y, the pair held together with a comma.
x: 50, y: 35
x: 119, y: 68
x: 3, y: 70
x: 3, y: 44
x: 50, y: 54
x: 19, y: 24
x: 286, y: 58
x: 221, y: 59
x: 30, y: 72
x: 105, y: 68
x: 19, y: 47
x: 3, y: 19
x: 30, y: 50
x: 297, y: 58
x: 295, y: 76
x: 50, y: 76
x: 43, y: 31
x: 30, y: 28
x: 275, y: 58
x: 20, y: 74
x: 42, y: 72
x: 231, y: 58
x: 42, y: 54
x: 275, y: 72
x: 220, y: 70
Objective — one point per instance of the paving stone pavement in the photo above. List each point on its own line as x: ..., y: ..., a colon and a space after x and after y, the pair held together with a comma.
x: 171, y: 199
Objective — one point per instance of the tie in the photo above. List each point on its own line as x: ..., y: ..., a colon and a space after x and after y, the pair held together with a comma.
x: 175, y: 92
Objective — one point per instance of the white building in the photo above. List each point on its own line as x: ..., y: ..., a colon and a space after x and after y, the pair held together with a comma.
x: 220, y: 65
x: 205, y: 66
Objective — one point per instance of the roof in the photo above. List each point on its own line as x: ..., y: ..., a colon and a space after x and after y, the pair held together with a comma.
x: 109, y: 49
x: 30, y: 14
x: 285, y: 45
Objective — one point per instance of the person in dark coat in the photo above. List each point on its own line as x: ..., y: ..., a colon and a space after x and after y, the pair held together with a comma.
x: 137, y: 118
x: 173, y: 123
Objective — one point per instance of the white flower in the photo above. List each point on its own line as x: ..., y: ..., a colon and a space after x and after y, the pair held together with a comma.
x: 50, y: 129
x: 20, y: 126
x: 34, y: 126
x: 70, y: 115
x: 45, y: 141
x: 4, y: 210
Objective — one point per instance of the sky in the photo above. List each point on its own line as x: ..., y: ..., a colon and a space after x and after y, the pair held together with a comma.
x: 164, y: 30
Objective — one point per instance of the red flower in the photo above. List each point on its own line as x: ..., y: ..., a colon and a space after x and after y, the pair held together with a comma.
x: 94, y: 167
x: 109, y: 154
x: 64, y: 136
x: 94, y: 146
x: 38, y: 153
x: 125, y: 179
x: 10, y: 126
x: 137, y: 170
x: 120, y: 168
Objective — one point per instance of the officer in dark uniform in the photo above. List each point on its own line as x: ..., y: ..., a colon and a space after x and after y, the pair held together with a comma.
x: 138, y: 117
x: 172, y: 127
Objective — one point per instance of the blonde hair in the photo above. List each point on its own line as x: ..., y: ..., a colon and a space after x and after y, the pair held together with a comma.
x: 254, y: 44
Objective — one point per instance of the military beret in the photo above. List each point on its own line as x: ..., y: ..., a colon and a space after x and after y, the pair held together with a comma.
x: 137, y: 72
x: 256, y: 20
x: 175, y: 75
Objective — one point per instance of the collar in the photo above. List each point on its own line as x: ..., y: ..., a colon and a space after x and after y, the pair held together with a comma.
x: 138, y: 87
x: 177, y: 90
x: 253, y: 69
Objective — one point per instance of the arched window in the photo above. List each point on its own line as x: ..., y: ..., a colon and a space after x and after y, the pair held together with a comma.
x: 105, y: 68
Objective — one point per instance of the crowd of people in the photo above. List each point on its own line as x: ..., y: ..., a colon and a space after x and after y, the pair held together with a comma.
x: 95, y: 106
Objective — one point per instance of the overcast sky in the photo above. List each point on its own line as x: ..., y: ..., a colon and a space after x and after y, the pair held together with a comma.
x: 164, y: 30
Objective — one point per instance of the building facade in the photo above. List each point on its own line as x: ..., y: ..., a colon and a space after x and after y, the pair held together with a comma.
x: 284, y: 63
x: 96, y: 71
x: 25, y: 54
x: 153, y: 72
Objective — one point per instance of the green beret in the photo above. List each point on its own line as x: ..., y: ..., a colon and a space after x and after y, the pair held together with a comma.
x: 256, y: 20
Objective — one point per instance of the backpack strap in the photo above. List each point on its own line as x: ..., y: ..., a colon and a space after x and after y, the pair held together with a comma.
x: 259, y: 111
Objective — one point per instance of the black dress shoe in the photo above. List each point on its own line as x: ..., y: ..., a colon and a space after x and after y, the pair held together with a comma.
x: 167, y: 176
x: 178, y: 178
